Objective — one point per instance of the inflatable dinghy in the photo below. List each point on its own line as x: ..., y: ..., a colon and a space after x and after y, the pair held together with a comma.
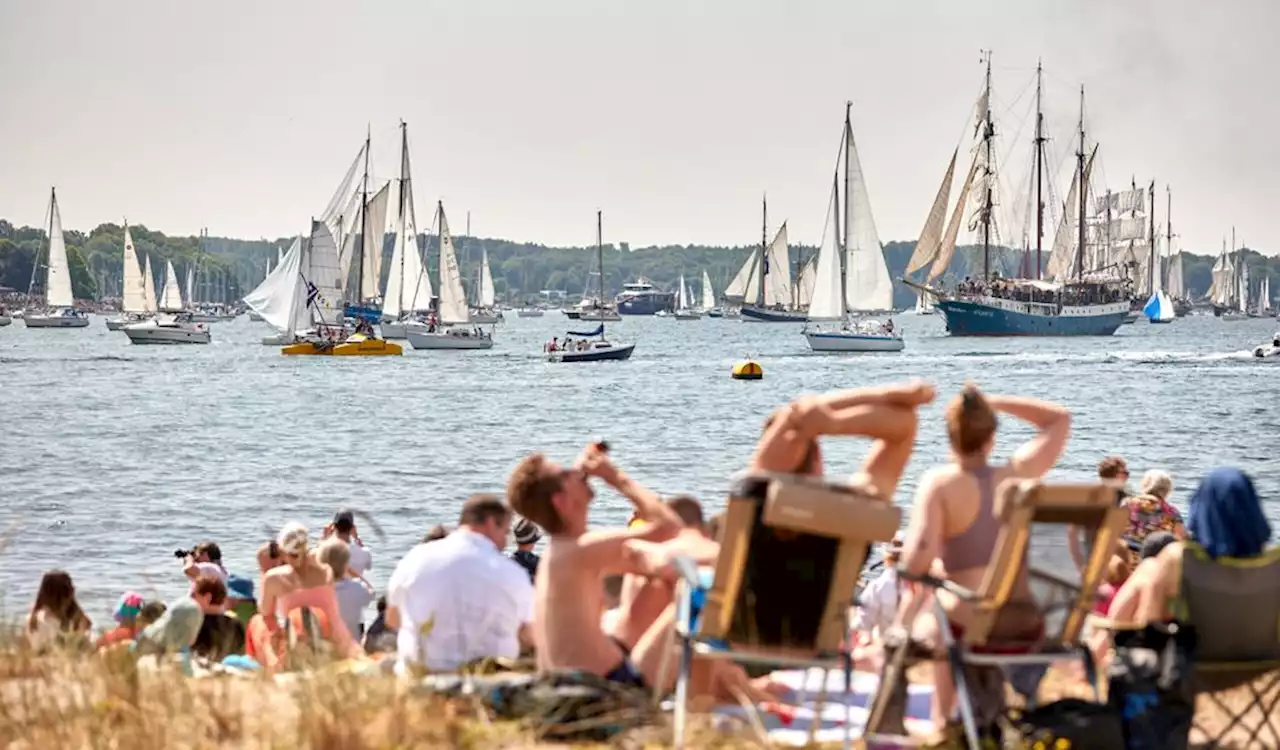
x: 1268, y: 350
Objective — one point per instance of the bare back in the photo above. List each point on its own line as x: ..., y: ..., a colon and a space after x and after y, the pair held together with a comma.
x: 568, y: 602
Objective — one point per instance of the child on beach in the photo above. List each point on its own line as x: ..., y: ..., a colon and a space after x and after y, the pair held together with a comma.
x: 126, y: 617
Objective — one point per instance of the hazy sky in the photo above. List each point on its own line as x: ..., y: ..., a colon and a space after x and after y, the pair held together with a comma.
x: 671, y: 116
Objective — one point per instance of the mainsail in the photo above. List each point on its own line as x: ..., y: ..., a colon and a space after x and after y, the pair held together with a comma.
x: 488, y: 297
x: 826, y: 302
x: 135, y: 289
x: 708, y: 294
x: 371, y: 251
x: 868, y: 286
x: 1062, y: 261
x: 741, y: 283
x: 322, y: 271
x: 281, y: 298
x: 453, y: 299
x: 57, y: 292
x: 171, y: 296
x: 929, y: 244
x: 149, y: 289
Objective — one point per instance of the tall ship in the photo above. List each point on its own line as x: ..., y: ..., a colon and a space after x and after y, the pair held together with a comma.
x: 1062, y: 298
x: 764, y: 287
x: 641, y: 297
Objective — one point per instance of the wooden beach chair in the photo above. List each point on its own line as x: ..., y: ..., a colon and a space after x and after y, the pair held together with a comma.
x: 791, y: 551
x: 983, y: 649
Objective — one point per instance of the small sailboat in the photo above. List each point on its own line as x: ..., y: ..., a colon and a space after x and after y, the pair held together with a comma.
x: 449, y: 325
x: 485, y: 311
x: 60, y: 311
x: 1159, y: 309
x: 684, y: 303
x: 134, y: 303
x: 408, y: 294
x: 763, y: 285
x: 173, y: 323
x: 709, y: 298
x: 589, y: 348
x: 851, y: 273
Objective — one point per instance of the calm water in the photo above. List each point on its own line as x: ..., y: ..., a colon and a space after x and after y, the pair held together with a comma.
x: 114, y: 455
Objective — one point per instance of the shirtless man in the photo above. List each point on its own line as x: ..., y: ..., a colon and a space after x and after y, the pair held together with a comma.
x: 569, y: 595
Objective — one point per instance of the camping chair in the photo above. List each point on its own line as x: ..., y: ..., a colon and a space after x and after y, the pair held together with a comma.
x: 1234, y: 608
x: 1018, y: 505
x: 791, y: 550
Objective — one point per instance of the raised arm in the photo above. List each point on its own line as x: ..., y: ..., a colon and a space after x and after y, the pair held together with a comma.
x: 1053, y: 422
x: 647, y: 503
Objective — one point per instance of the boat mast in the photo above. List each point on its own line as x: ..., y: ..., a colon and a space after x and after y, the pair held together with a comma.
x: 48, y: 251
x: 848, y: 198
x: 1084, y: 193
x: 1168, y: 231
x: 404, y: 180
x: 763, y: 264
x: 1040, y: 139
x: 600, y: 256
x: 1151, y: 219
x: 364, y: 220
x: 988, y: 134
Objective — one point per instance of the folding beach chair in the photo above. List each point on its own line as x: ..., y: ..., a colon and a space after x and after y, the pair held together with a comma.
x: 791, y: 550
x: 979, y: 653
x: 1234, y: 608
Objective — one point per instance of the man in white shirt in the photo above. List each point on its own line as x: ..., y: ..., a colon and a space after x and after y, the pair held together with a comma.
x: 459, y: 599
x: 344, y: 527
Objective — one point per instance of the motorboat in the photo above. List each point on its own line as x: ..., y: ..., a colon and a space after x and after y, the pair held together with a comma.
x: 126, y: 319
x: 168, y: 328
x: 529, y: 312
x: 1268, y: 350
x: 60, y: 317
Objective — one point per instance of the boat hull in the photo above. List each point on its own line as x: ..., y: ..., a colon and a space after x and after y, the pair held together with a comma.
x: 5, y: 320
x: 449, y: 341
x: 688, y: 315
x: 393, y: 330
x: 598, y: 354
x: 363, y: 348
x: 118, y: 324
x: 992, y: 317
x: 528, y: 313
x: 485, y: 318
x: 144, y: 334
x: 852, y: 341
x: 646, y: 303
x: 763, y: 315
x: 600, y: 317
x: 56, y: 321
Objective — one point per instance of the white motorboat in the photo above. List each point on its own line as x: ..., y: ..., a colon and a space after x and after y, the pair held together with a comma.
x: 5, y: 320
x: 168, y: 328
x: 529, y: 312
x: 120, y: 321
x: 61, y: 312
x: 447, y: 337
x: 1268, y: 350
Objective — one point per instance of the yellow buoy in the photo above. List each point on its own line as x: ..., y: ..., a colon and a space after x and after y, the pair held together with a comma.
x: 748, y: 370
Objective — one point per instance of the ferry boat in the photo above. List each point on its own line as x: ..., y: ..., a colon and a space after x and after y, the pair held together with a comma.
x: 641, y: 297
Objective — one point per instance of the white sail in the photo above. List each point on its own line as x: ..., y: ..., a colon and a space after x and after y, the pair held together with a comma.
x: 1174, y: 284
x: 190, y: 285
x: 1062, y: 260
x: 752, y: 294
x: 868, y: 286
x: 804, y: 287
x: 371, y: 275
x: 708, y: 294
x: 57, y: 290
x: 947, y: 246
x: 682, y: 302
x: 737, y: 289
x: 453, y: 299
x: 826, y: 302
x: 929, y: 243
x: 149, y: 303
x: 322, y: 271
x: 171, y: 295
x: 279, y: 255
x: 417, y: 284
x: 1223, y: 275
x: 1159, y: 307
x: 777, y: 277
x: 281, y: 298
x: 1264, y: 297
x: 345, y: 229
x: 135, y: 290
x: 488, y: 297
x: 393, y: 298
x: 1243, y: 295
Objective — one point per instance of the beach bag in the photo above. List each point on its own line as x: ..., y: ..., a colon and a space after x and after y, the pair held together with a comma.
x: 1071, y: 722
x: 573, y: 706
x: 1150, y: 686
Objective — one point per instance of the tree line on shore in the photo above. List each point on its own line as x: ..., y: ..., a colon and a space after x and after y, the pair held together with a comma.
x: 228, y: 268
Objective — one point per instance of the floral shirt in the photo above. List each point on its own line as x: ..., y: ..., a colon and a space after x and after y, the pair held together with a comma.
x: 1149, y: 514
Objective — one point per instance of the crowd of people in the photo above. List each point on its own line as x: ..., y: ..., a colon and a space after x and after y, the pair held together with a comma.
x: 601, y: 600
x: 1020, y: 291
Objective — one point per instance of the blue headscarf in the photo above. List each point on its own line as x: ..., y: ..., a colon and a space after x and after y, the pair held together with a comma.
x: 1226, y: 518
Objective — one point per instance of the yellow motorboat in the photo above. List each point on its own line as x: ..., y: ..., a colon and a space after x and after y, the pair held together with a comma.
x: 356, y: 345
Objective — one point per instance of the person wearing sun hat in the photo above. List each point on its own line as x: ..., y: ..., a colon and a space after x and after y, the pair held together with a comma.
x: 126, y: 617
x: 527, y: 534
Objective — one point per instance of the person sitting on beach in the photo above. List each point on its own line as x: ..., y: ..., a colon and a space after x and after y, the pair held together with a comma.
x: 460, y: 599
x: 378, y: 638
x: 344, y: 528
x: 526, y: 535
x: 56, y: 618
x: 1151, y: 511
x: 1112, y: 470
x: 301, y: 591
x: 1226, y: 521
x: 205, y: 559
x: 352, y: 593
x: 953, y: 526
x: 220, y: 634
x: 126, y: 618
x: 177, y: 629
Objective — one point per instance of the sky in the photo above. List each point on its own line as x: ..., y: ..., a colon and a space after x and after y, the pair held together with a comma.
x: 674, y: 117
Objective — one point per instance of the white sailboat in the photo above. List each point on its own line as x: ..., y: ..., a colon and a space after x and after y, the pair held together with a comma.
x: 408, y: 295
x: 1159, y: 307
x: 684, y: 303
x: 486, y: 309
x: 450, y: 327
x: 1262, y: 309
x: 768, y: 294
x: 134, y: 303
x: 863, y: 284
x: 173, y: 323
x: 709, y: 298
x: 281, y: 299
x: 60, y: 303
x: 591, y: 346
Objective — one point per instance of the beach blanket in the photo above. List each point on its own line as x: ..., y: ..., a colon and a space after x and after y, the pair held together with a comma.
x: 789, y: 721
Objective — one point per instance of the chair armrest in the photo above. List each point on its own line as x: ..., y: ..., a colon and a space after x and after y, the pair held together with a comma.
x: 934, y: 582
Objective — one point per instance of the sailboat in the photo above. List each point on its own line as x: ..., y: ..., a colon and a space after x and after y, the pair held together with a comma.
x: 134, y: 302
x: 408, y: 294
x: 594, y: 307
x: 709, y: 297
x: 763, y: 285
x: 253, y: 314
x: 60, y: 311
x: 449, y: 325
x: 1262, y: 308
x: 1173, y: 283
x: 173, y: 323
x: 589, y: 348
x: 485, y: 311
x: 684, y: 303
x: 851, y: 273
x: 1229, y: 289
x: 272, y: 301
x: 1072, y: 304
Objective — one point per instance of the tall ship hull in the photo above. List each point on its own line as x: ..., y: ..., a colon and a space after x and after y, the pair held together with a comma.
x: 765, y: 315
x: 999, y: 317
